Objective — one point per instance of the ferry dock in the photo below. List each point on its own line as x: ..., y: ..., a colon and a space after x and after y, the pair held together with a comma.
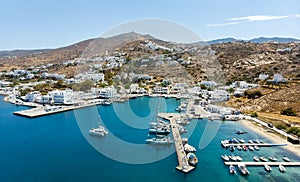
x: 183, y: 164
x: 263, y: 163
x: 42, y: 111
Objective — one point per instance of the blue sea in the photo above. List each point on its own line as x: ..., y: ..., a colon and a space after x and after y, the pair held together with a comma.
x: 58, y: 148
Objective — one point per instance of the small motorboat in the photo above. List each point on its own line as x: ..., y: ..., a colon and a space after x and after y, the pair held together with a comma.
x: 232, y: 169
x: 256, y: 141
x: 241, y: 140
x: 286, y: 159
x: 273, y: 159
x: 251, y: 148
x: 234, y: 140
x: 244, y: 147
x: 263, y: 159
x: 225, y: 157
x: 238, y: 158
x: 232, y: 157
x: 250, y: 141
x: 243, y: 169
x: 256, y: 159
x: 232, y: 148
x: 192, y: 158
x: 281, y: 168
x: 267, y: 168
x: 239, y: 132
x: 239, y: 147
x: 256, y: 147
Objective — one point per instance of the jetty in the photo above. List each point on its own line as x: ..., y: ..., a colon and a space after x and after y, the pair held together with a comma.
x: 183, y: 163
x: 263, y: 163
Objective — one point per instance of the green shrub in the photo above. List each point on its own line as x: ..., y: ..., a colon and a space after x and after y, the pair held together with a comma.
x: 289, y: 112
x: 254, y: 115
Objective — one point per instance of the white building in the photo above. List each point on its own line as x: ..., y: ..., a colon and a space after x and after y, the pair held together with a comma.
x: 33, y: 96
x: 108, y: 93
x: 278, y: 78
x: 263, y: 76
x: 46, y: 99
x: 62, y: 96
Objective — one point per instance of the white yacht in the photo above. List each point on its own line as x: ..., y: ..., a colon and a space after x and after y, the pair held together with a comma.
x: 100, y: 131
x: 159, y: 141
x: 189, y: 148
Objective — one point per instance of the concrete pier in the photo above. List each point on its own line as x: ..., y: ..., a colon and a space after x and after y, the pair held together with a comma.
x: 183, y: 164
x: 255, y: 144
x: 263, y: 163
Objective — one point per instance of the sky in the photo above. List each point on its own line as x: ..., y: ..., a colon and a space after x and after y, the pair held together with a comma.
x: 39, y: 24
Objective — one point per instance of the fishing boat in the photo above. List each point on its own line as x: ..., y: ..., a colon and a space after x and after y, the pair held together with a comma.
x: 232, y: 169
x: 263, y: 159
x: 256, y: 159
x: 273, y: 159
x: 286, y: 159
x: 281, y: 168
x: 267, y: 168
x: 192, y: 158
x: 225, y: 157
x: 256, y: 147
x: 239, y: 147
x: 243, y: 170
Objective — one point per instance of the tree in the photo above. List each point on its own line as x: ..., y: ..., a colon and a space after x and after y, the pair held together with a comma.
x: 289, y: 112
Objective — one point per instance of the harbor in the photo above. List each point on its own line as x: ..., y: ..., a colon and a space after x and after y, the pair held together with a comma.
x: 183, y: 164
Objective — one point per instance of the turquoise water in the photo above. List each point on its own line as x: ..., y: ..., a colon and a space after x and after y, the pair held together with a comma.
x: 53, y: 148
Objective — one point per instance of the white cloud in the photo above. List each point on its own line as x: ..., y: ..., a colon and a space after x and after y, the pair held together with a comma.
x: 297, y: 15
x: 222, y: 24
x: 253, y: 18
x: 259, y: 18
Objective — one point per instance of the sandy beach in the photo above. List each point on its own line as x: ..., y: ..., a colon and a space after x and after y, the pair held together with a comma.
x: 274, y: 137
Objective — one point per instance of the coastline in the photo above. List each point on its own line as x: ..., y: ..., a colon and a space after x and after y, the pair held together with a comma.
x: 251, y: 125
